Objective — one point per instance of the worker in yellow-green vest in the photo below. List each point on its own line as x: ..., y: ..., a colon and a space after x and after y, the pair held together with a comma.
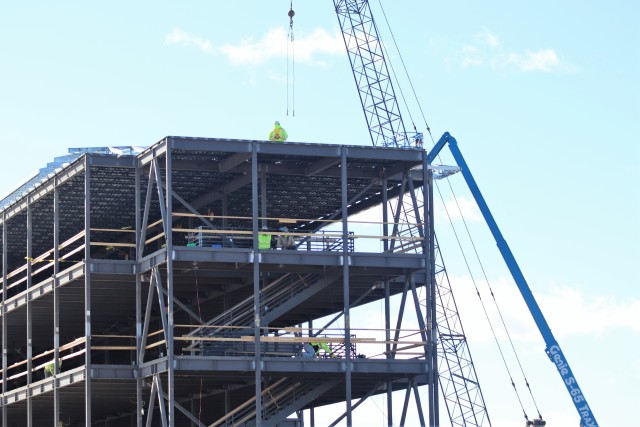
x: 49, y: 368
x: 317, y: 346
x: 264, y: 239
x: 278, y: 134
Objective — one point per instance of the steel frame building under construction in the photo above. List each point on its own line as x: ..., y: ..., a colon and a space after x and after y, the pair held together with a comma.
x: 146, y: 289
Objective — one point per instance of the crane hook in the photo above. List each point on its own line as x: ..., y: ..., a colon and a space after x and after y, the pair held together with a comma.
x: 291, y: 14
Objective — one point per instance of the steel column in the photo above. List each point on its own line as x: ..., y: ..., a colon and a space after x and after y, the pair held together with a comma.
x: 4, y: 317
x: 345, y: 282
x: 385, y: 214
x: 387, y: 347
x: 263, y: 196
x: 87, y: 287
x: 169, y: 247
x: 138, y: 298
x: 256, y: 282
x: 429, y: 252
x: 387, y: 296
x: 29, y: 310
x: 56, y: 301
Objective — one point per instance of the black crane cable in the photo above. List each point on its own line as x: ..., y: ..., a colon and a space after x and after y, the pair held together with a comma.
x: 495, y: 302
x: 291, y: 40
x: 468, y: 234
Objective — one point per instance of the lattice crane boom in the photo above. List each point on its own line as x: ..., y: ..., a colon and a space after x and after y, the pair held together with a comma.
x: 458, y: 381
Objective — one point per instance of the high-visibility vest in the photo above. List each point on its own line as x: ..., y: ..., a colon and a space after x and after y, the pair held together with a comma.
x: 264, y: 241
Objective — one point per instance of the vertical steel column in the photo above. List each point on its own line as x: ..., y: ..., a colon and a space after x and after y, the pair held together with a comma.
x: 430, y: 268
x: 387, y: 296
x: 56, y: 300
x: 29, y: 311
x: 87, y: 288
x: 312, y: 410
x: 224, y: 210
x: 4, y: 317
x: 138, y: 296
x: 169, y: 241
x: 256, y: 282
x: 263, y: 196
x: 346, y: 259
x: 385, y: 214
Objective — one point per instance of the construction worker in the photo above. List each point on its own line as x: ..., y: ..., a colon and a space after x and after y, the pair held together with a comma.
x: 317, y: 346
x: 285, y: 241
x: 278, y: 134
x: 49, y: 368
x: 264, y: 239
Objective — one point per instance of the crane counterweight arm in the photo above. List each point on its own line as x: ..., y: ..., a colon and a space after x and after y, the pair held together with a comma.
x: 553, y: 350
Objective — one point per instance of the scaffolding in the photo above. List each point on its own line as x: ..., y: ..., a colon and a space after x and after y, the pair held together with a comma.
x: 153, y: 287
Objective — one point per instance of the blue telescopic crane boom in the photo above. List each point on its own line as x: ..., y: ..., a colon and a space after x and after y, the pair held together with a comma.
x: 553, y: 348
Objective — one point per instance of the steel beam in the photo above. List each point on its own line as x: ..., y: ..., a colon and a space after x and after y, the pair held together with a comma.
x: 145, y: 217
x: 161, y: 404
x: 186, y: 413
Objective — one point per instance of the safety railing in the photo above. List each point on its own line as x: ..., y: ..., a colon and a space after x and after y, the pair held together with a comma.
x: 413, y: 140
x: 42, y: 363
x: 302, y: 234
x: 298, y: 342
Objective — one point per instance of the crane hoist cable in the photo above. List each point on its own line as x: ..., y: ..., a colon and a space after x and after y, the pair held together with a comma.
x: 393, y: 37
x: 465, y: 224
x: 504, y: 325
x: 484, y: 308
x: 291, y: 41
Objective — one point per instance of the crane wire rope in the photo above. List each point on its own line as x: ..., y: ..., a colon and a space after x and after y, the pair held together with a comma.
x: 395, y: 77
x: 466, y: 227
x: 291, y: 41
x: 495, y: 301
x: 393, y: 37
x: 484, y: 308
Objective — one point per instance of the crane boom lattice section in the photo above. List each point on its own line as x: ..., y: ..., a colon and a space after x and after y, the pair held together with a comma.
x: 457, y: 375
x: 371, y: 73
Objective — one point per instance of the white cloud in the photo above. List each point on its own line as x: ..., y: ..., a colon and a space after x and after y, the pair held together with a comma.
x: 543, y: 60
x: 567, y: 310
x: 458, y: 208
x: 576, y: 313
x: 488, y: 38
x: 178, y: 36
x: 273, y: 44
x: 488, y: 51
x: 471, y: 56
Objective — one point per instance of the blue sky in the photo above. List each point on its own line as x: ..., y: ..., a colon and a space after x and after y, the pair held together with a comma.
x: 543, y: 98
